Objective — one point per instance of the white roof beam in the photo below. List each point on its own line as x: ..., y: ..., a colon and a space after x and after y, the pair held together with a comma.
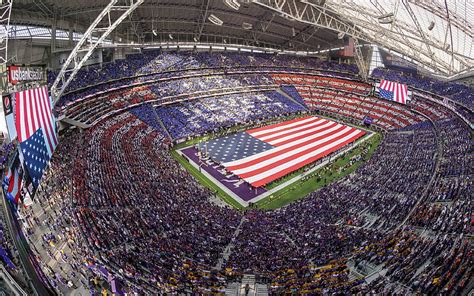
x: 62, y: 82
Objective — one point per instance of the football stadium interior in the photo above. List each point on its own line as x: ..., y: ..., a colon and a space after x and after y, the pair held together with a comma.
x: 237, y: 147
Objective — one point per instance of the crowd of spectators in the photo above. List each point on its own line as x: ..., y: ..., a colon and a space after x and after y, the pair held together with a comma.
x: 448, y: 206
x: 334, y: 95
x: 428, y: 265
x: 456, y: 91
x: 323, y: 82
x: 5, y: 150
x: 153, y: 65
x: 168, y: 91
x: 197, y: 117
x: 131, y: 212
x: 384, y: 114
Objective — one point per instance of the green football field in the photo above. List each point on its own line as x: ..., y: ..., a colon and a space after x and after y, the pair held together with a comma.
x: 338, y: 168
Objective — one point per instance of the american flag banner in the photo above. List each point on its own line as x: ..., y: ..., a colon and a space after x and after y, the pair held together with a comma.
x: 15, y: 182
x: 35, y: 156
x: 35, y: 125
x: 393, y: 91
x: 286, y: 147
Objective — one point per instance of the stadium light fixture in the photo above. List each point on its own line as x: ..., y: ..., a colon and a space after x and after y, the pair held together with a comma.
x: 171, y: 36
x: 285, y: 16
x: 195, y: 39
x: 247, y: 26
x: 340, y: 35
x: 215, y: 20
x: 386, y: 21
x: 431, y: 26
x: 387, y: 15
x: 234, y: 4
x: 386, y: 18
x: 154, y: 32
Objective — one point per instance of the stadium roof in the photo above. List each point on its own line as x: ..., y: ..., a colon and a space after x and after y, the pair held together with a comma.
x: 438, y: 32
x: 435, y: 33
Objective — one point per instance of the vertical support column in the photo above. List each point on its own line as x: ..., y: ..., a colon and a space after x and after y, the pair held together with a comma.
x: 53, y: 35
x: 360, y: 60
x: 53, y: 55
x: 71, y: 36
x: 5, y: 10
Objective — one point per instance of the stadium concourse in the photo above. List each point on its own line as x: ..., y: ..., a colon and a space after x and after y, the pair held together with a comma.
x: 276, y: 154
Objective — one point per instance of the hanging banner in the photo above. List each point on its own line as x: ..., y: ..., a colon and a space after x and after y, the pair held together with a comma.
x: 7, y: 105
x: 7, y: 119
x: 18, y: 74
x: 94, y: 58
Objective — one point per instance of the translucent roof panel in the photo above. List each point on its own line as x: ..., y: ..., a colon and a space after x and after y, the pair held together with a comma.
x: 437, y: 34
x: 35, y: 32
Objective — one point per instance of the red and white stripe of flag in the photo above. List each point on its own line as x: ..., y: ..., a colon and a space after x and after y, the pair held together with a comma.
x: 33, y: 111
x: 14, y: 188
x: 298, y: 142
x: 400, y: 91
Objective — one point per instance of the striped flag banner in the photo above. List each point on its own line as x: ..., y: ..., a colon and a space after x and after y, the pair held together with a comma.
x: 295, y: 143
x: 14, y: 186
x: 36, y: 130
x: 393, y: 91
x: 33, y: 112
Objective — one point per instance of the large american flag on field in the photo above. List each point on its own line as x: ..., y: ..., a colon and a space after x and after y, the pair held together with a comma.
x: 35, y: 126
x: 273, y: 151
x: 393, y: 91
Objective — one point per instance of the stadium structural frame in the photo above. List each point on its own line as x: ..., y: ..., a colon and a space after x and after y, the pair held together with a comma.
x: 324, y: 17
x: 127, y: 8
x: 5, y: 12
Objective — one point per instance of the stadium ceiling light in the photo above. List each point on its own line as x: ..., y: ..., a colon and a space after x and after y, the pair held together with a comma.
x: 154, y: 32
x: 431, y: 26
x: 234, y: 4
x: 285, y: 16
x: 171, y: 36
x: 195, y: 39
x: 247, y: 26
x: 386, y: 21
x: 387, y: 15
x: 340, y: 35
x: 215, y: 20
x: 386, y: 18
